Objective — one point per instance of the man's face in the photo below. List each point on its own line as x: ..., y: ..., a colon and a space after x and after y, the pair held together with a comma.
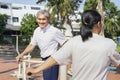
x: 42, y: 21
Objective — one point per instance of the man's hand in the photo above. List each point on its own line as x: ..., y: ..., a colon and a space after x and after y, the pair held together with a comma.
x: 18, y: 58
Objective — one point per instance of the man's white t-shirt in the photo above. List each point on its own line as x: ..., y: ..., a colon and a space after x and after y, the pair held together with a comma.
x: 89, y: 59
x: 47, y: 40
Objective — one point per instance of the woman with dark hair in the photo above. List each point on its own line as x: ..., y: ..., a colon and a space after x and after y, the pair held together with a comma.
x: 89, y: 20
x: 89, y: 53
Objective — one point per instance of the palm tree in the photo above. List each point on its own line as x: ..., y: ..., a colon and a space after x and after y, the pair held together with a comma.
x: 90, y: 4
x: 112, y: 19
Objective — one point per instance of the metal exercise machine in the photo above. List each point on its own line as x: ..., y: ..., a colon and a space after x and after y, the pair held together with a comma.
x: 26, y: 62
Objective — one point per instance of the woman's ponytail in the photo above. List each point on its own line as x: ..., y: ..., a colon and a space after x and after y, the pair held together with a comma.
x: 85, y: 33
x: 89, y: 19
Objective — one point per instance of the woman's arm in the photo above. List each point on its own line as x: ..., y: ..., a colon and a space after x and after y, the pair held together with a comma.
x: 47, y: 64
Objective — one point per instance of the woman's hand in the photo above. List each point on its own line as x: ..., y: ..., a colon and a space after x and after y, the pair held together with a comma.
x: 30, y: 71
x: 118, y: 67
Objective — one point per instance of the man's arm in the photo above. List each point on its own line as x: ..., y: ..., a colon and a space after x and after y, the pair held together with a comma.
x: 27, y: 50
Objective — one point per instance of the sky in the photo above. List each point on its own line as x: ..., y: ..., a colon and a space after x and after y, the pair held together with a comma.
x: 33, y: 2
x: 117, y: 3
x: 29, y: 2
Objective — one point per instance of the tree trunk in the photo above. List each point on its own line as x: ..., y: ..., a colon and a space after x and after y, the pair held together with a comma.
x: 100, y: 10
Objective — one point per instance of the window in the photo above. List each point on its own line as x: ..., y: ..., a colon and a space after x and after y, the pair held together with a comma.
x: 17, y: 8
x: 35, y: 8
x: 4, y: 6
x: 24, y: 7
x: 15, y: 19
x: 9, y: 20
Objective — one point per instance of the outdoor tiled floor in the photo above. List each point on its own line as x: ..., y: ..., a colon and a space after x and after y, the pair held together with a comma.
x: 8, y: 65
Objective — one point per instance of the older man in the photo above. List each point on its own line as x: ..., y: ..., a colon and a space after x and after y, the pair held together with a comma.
x: 47, y: 38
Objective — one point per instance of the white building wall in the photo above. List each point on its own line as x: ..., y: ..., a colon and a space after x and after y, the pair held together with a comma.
x: 3, y: 10
x: 17, y: 11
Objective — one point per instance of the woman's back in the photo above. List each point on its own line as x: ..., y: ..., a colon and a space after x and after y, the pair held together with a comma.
x: 91, y: 58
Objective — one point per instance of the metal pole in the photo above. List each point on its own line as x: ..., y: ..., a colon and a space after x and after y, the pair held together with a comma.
x: 24, y: 70
x: 63, y: 72
x: 17, y: 45
x: 19, y: 65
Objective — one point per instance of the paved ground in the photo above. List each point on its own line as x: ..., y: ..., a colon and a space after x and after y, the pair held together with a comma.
x: 8, y: 65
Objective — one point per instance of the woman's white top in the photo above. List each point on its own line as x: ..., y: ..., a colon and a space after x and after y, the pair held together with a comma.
x: 47, y: 40
x: 90, y: 59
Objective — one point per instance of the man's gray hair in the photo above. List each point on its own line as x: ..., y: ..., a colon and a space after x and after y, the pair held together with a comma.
x: 45, y: 12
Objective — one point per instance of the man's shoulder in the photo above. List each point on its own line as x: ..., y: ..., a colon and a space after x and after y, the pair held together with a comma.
x: 54, y: 28
x: 36, y: 29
